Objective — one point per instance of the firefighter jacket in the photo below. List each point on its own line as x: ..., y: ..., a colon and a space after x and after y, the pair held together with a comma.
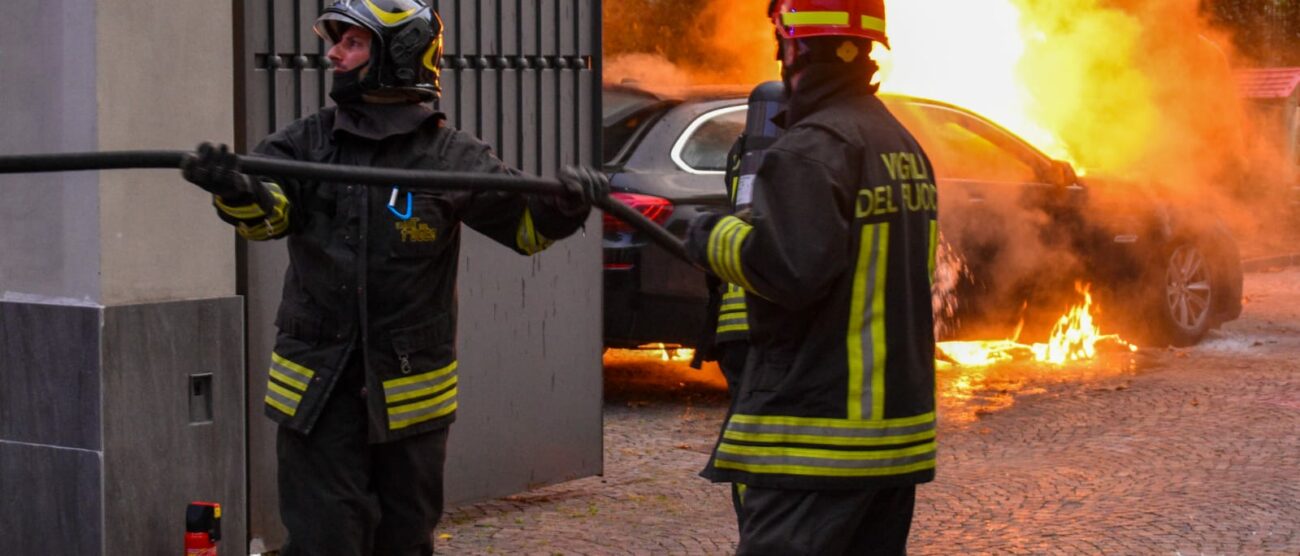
x: 374, y: 269
x: 838, y: 388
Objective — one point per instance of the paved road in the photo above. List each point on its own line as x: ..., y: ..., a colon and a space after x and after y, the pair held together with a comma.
x: 1184, y: 452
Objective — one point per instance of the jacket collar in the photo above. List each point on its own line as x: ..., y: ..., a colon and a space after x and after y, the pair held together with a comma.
x: 381, y: 121
x: 820, y: 84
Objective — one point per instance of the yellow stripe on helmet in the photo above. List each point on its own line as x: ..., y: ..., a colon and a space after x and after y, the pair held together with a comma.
x: 873, y: 23
x: 796, y: 19
x: 387, y: 17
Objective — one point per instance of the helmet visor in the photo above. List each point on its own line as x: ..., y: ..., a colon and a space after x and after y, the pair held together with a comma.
x: 330, y: 26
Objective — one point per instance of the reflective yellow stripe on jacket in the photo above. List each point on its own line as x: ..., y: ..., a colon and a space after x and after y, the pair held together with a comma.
x: 827, y: 447
x: 527, y: 238
x: 254, y: 223
x: 287, y: 384
x: 725, y: 243
x: 421, y: 397
x: 866, y: 332
x: 733, y: 315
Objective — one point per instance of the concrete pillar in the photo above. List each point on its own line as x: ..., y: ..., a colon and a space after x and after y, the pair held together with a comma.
x: 121, y: 339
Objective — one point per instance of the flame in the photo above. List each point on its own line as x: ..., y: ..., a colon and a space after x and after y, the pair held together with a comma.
x: 969, y: 56
x: 667, y: 352
x: 1075, y: 337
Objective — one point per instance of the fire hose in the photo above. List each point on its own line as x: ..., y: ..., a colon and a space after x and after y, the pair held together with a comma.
x: 380, y: 177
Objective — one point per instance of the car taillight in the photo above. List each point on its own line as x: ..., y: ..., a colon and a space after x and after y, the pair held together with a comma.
x: 657, y: 209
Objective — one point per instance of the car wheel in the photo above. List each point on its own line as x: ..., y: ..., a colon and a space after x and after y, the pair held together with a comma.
x: 1185, y: 310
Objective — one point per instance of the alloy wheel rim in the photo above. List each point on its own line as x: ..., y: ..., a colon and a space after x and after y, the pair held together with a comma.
x: 1188, y: 292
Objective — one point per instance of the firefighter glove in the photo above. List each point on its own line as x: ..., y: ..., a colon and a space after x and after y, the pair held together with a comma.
x: 585, y: 185
x: 216, y: 169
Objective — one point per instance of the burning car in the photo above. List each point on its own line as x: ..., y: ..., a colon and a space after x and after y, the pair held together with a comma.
x: 1020, y: 229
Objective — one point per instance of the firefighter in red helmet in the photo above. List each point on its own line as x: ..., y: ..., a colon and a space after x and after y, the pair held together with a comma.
x: 363, y: 378
x: 833, y: 424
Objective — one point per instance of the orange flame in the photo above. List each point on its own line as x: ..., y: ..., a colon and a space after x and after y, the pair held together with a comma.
x: 666, y: 352
x: 1075, y: 337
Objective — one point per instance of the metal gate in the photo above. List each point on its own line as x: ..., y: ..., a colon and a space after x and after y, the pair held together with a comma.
x: 523, y: 75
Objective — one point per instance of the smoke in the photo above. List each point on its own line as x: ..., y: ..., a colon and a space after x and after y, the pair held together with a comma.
x: 1144, y: 90
x: 665, y: 44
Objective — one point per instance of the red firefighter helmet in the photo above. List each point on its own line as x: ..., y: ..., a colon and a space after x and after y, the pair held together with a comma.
x: 798, y: 19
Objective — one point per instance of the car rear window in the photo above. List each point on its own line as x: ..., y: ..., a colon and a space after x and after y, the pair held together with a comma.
x: 704, y: 145
x: 624, y: 113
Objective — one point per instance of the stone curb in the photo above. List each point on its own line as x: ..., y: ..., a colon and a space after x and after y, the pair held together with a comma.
x: 1262, y: 264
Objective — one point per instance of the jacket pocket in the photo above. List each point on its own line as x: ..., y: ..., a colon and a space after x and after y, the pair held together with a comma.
x: 423, y: 387
x: 421, y: 229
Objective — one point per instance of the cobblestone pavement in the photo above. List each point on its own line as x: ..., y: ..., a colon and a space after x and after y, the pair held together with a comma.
x: 1182, y: 452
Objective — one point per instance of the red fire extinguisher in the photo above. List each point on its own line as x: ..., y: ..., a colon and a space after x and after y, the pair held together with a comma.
x: 202, y: 528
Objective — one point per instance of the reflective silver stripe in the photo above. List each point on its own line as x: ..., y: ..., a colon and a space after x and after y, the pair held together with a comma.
x: 284, y: 401
x: 283, y: 365
x: 866, y: 337
x: 432, y: 382
x: 733, y: 306
x: 422, y: 411
x: 733, y: 319
x: 842, y: 459
x: 830, y: 432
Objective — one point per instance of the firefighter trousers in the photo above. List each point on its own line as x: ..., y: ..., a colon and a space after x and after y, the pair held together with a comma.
x: 824, y: 522
x: 341, y: 495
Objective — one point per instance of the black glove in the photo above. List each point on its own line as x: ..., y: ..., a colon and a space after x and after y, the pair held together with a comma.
x: 216, y: 169
x: 585, y: 185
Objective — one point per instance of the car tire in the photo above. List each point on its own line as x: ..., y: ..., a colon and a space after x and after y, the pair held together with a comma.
x: 1187, y: 282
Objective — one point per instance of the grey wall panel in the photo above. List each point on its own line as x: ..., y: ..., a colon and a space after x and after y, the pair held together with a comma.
x: 548, y: 27
x: 159, y: 454
x: 450, y: 96
x: 509, y: 29
x: 158, y: 238
x: 469, y: 15
x: 310, y: 93
x: 589, y: 129
x: 489, y: 120
x: 529, y: 121
x: 308, y: 42
x: 567, y: 28
x: 490, y: 26
x: 48, y: 104
x: 549, y: 136
x: 566, y: 120
x: 52, y: 500
x: 285, y: 98
x: 530, y: 386
x: 284, y: 31
x: 529, y: 20
x: 509, y: 147
x: 49, y: 375
x: 467, y: 110
x: 257, y: 122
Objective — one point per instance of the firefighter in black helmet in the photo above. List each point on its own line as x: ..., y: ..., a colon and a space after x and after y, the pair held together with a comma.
x: 363, y: 378
x: 833, y: 424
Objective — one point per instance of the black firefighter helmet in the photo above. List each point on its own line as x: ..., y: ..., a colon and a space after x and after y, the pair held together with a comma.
x: 406, y: 49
